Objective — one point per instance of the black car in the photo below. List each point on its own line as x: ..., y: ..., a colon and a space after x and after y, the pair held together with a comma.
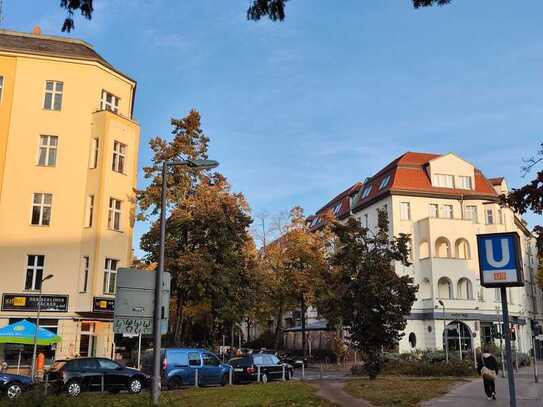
x: 13, y: 385
x: 87, y: 374
x: 294, y: 359
x: 246, y: 368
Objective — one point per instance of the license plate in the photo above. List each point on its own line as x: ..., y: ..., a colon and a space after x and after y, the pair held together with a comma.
x: 238, y: 370
x: 299, y: 361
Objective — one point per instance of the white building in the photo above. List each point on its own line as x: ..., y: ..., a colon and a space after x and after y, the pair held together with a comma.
x: 443, y: 202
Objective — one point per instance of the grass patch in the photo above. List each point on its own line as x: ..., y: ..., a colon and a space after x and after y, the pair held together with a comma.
x: 271, y: 394
x: 399, y: 391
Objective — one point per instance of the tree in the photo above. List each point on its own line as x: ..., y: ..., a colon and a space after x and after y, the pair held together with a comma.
x: 530, y: 197
x: 273, y: 9
x: 366, y: 292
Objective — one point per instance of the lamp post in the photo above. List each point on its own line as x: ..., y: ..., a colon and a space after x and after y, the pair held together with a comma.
x: 196, y: 164
x: 33, y: 369
x: 445, y: 332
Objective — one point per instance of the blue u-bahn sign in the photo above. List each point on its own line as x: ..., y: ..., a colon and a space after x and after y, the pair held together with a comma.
x: 500, y: 261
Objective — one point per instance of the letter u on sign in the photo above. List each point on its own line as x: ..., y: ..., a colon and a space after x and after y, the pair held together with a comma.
x: 506, y: 250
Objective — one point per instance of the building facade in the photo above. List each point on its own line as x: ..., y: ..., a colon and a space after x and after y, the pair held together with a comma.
x: 443, y: 202
x: 68, y: 166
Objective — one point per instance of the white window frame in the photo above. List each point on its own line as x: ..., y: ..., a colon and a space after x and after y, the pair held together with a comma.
x: 94, y: 153
x: 384, y: 182
x: 112, y: 106
x: 89, y: 212
x: 34, y: 269
x: 48, y: 149
x: 85, y: 269
x: 489, y: 216
x: 110, y: 268
x: 119, y: 157
x: 442, y: 180
x: 41, y: 205
x: 55, y: 93
x: 465, y: 182
x: 473, y: 217
x: 114, y: 214
x: 366, y: 192
x: 446, y: 214
x: 431, y: 212
x: 405, y: 211
x: 337, y: 208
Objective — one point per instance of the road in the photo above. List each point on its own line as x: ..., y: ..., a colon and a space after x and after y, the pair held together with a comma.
x: 529, y: 394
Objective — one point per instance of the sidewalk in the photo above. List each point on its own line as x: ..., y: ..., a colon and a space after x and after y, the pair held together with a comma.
x: 529, y: 394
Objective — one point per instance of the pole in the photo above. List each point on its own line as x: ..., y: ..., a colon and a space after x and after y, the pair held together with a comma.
x: 501, y: 344
x: 33, y: 369
x: 459, y: 340
x: 302, y: 303
x: 536, y: 379
x: 139, y: 351
x: 445, y: 332
x: 474, y: 352
x: 155, y: 394
x: 19, y: 362
x: 510, y: 373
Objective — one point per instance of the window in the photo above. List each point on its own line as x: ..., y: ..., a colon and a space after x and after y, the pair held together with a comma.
x: 337, y: 208
x: 314, y: 222
x: 434, y: 210
x: 1, y: 86
x: 489, y: 216
x: 34, y: 271
x: 48, y: 151
x: 108, y: 364
x: 465, y: 182
x: 114, y: 216
x: 366, y: 221
x: 443, y: 247
x: 119, y: 151
x: 53, y: 95
x: 95, y: 145
x: 499, y: 216
x: 413, y: 340
x: 366, y: 192
x: 89, y: 211
x: 109, y: 102
x: 384, y: 182
x: 462, y: 249
x: 85, y: 264
x: 470, y: 213
x: 41, y: 209
x: 464, y: 289
x: 211, y: 360
x: 444, y: 181
x: 194, y: 359
x: 110, y: 276
x: 447, y: 211
x: 444, y: 288
x: 405, y: 211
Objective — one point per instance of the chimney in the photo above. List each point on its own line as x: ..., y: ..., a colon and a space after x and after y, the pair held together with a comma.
x: 36, y: 30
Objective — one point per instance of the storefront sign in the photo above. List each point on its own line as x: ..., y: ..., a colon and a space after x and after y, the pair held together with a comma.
x: 102, y: 304
x: 499, y: 260
x: 29, y: 302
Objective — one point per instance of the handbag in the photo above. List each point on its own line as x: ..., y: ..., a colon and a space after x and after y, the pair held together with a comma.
x: 488, y: 374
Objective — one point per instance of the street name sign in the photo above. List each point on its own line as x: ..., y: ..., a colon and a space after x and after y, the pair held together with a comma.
x: 500, y: 263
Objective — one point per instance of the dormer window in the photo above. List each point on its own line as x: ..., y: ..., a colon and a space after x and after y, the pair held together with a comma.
x: 384, y: 182
x: 315, y: 221
x: 366, y: 192
x: 337, y: 208
x: 443, y: 181
x: 465, y: 182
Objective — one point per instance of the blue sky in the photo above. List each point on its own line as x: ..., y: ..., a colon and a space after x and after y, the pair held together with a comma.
x: 300, y: 110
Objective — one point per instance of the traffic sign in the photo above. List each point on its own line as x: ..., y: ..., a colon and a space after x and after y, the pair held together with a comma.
x: 500, y: 262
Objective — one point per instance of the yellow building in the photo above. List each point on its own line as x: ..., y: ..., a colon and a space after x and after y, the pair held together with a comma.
x: 68, y: 166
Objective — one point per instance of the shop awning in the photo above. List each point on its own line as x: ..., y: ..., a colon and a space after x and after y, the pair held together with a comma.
x: 23, y: 332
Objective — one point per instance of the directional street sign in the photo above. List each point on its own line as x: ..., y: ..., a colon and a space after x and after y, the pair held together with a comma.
x: 500, y: 262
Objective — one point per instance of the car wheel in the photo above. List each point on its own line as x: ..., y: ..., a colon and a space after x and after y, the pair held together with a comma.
x: 73, y: 388
x: 14, y: 390
x: 134, y: 386
x: 175, y: 383
x: 264, y: 378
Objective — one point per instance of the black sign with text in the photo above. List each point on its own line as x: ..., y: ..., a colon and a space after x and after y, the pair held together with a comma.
x: 102, y: 304
x: 29, y: 302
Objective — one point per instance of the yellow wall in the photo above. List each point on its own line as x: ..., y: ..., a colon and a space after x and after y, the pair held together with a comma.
x: 7, y: 71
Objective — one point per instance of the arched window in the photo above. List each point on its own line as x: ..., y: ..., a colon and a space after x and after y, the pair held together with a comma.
x: 413, y: 339
x: 465, y: 289
x: 424, y: 250
x: 444, y: 288
x: 462, y: 249
x: 443, y: 247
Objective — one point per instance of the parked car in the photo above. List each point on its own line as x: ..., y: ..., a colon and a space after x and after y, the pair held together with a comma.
x: 271, y: 368
x: 294, y: 359
x: 85, y: 374
x: 179, y: 366
x: 13, y: 385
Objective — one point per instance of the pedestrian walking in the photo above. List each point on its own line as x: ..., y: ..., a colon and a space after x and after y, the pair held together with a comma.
x: 487, y: 366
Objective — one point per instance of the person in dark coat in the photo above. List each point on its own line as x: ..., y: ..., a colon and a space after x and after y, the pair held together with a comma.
x: 487, y: 360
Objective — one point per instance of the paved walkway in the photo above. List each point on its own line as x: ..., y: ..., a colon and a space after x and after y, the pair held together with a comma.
x: 529, y: 394
x: 333, y: 391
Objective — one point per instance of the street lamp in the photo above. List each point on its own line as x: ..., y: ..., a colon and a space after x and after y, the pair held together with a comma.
x: 196, y: 164
x: 445, y: 332
x: 33, y: 375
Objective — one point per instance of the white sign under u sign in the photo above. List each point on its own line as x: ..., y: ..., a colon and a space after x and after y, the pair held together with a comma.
x: 490, y: 254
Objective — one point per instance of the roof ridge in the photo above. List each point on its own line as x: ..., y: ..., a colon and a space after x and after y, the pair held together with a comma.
x: 47, y: 37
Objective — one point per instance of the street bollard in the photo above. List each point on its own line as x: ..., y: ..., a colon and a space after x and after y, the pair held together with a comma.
x: 230, y: 376
x: 320, y: 373
x: 303, y: 370
x: 196, y: 378
x: 102, y: 383
x: 284, y: 372
x: 258, y: 374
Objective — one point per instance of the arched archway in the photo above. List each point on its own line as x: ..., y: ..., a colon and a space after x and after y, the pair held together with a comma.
x: 462, y: 249
x: 457, y: 334
x: 443, y: 247
x: 464, y: 289
x: 445, y: 288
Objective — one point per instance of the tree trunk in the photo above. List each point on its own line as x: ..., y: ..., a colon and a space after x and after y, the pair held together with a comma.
x: 178, y: 319
x: 302, y: 306
x: 279, y: 328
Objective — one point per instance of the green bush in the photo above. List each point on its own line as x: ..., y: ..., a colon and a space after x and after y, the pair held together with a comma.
x: 421, y: 368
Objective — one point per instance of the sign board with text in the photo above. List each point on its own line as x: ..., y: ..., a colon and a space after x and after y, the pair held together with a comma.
x: 500, y: 263
x: 134, y: 302
x: 29, y: 302
x: 103, y: 304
